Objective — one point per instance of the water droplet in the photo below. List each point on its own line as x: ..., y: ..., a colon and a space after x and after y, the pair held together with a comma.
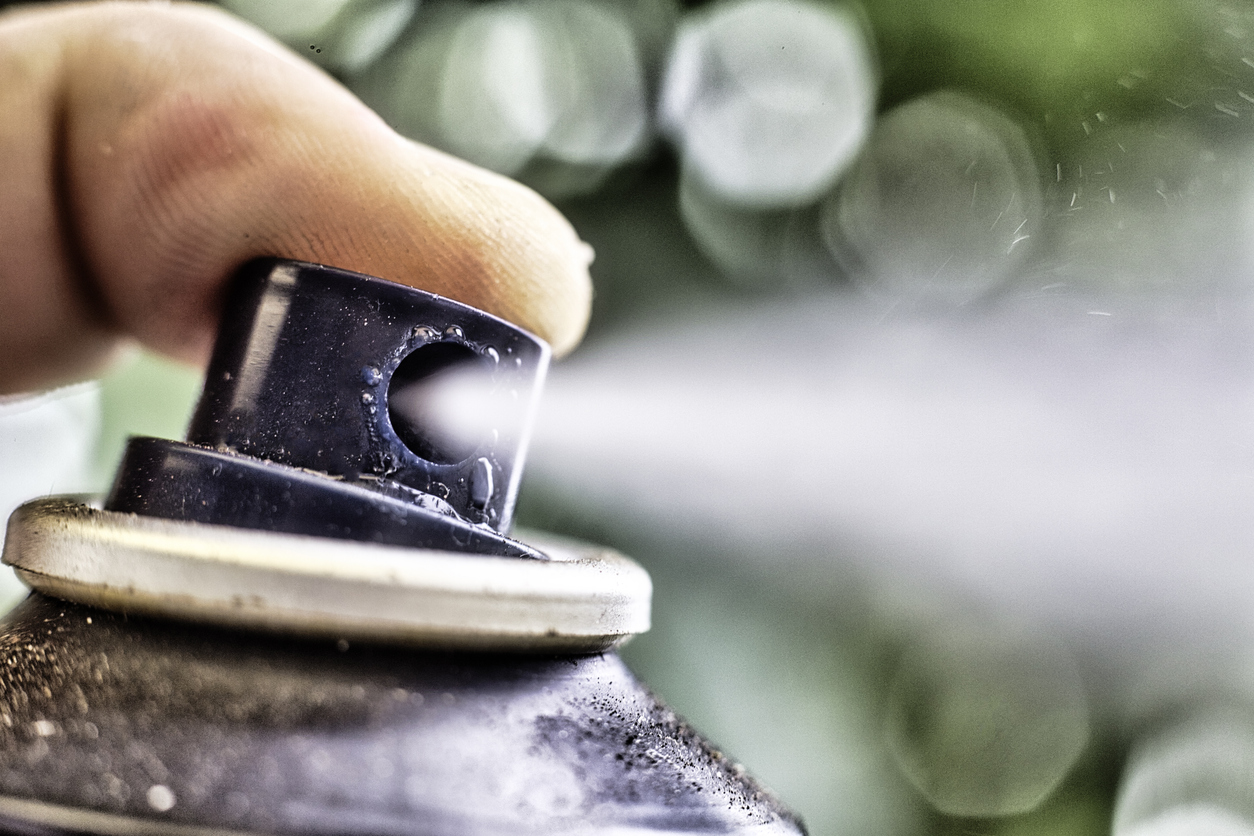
x: 481, y: 487
x: 371, y: 375
x: 455, y: 332
x: 422, y: 332
x: 366, y: 397
x: 492, y: 354
x: 161, y: 797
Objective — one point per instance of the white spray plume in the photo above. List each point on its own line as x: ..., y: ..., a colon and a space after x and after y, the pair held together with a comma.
x: 1088, y: 465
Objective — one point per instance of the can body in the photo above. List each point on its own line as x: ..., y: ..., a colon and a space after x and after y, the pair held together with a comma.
x: 110, y: 724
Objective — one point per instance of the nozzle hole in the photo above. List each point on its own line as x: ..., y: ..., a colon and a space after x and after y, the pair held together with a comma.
x: 423, y: 400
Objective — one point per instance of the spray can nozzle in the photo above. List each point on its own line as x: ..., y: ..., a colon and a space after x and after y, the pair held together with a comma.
x: 316, y: 418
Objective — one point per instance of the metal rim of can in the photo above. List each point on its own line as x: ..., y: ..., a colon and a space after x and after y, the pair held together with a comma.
x: 57, y: 819
x: 583, y: 599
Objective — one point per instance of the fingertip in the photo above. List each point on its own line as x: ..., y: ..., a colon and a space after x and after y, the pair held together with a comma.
x: 208, y: 167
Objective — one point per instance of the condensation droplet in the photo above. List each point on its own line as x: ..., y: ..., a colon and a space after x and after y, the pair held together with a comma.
x: 161, y: 797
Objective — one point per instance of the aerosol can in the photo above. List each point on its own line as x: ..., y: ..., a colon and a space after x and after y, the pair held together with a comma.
x: 308, y: 618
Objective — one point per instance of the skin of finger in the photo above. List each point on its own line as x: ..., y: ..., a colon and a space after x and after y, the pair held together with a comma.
x: 175, y: 143
x: 51, y: 327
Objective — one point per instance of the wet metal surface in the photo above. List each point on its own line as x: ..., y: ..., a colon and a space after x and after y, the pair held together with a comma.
x: 168, y: 723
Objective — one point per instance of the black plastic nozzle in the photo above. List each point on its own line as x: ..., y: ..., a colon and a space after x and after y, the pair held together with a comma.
x: 314, y: 417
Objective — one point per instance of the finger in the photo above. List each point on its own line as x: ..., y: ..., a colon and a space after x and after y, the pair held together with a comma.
x: 146, y: 151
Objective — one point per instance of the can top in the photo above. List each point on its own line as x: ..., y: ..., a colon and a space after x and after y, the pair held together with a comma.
x: 322, y: 489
